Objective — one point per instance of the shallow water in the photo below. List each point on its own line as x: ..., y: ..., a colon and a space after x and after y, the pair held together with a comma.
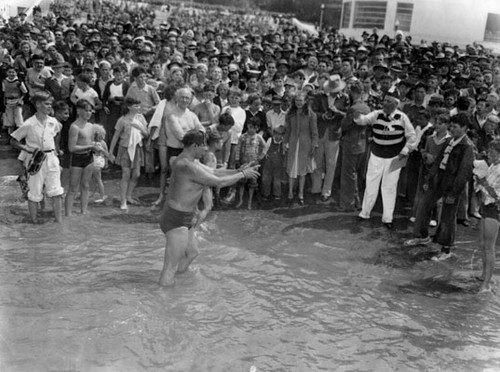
x: 278, y: 290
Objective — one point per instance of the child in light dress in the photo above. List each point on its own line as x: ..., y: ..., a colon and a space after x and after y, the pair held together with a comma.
x: 100, y: 160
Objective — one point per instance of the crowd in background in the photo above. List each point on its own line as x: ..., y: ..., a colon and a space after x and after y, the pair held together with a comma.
x: 264, y: 91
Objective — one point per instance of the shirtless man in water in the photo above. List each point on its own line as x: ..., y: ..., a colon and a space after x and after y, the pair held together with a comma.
x: 180, y: 216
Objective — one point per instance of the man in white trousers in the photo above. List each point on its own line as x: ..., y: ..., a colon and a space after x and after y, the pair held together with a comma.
x: 393, y: 139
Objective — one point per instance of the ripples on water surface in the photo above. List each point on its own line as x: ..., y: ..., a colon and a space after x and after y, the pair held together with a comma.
x: 269, y: 289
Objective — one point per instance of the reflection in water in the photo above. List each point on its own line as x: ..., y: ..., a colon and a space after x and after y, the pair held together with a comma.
x: 277, y: 289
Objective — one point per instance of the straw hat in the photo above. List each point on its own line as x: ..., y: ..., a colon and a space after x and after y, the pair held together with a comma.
x: 334, y: 84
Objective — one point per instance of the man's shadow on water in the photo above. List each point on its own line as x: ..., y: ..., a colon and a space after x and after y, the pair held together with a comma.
x: 386, y: 246
x: 331, y: 223
x: 346, y: 221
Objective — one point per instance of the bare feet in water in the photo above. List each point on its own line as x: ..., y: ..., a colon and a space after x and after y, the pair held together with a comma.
x: 158, y: 202
x: 133, y: 201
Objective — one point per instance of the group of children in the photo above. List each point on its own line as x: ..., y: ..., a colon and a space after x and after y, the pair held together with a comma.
x: 251, y: 148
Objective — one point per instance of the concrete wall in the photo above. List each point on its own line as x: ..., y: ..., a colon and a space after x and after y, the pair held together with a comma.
x: 458, y: 21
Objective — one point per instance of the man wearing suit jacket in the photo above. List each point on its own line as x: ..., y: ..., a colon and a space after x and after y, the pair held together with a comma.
x: 77, y: 60
x: 330, y: 108
x: 353, y: 144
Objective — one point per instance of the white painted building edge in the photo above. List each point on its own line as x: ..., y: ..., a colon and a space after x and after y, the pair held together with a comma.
x: 460, y: 22
x: 10, y: 8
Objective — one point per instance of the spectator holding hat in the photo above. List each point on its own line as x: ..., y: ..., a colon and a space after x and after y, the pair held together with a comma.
x: 330, y: 108
x: 59, y: 85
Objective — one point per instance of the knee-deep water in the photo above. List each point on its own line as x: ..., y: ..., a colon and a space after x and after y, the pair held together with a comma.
x: 276, y: 289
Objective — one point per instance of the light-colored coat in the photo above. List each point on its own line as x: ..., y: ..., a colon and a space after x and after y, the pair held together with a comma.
x: 300, y: 129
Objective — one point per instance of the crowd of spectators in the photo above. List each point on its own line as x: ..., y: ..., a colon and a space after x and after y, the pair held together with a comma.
x: 308, y: 107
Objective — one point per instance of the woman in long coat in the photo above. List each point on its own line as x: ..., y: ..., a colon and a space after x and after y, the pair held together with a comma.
x: 301, y: 136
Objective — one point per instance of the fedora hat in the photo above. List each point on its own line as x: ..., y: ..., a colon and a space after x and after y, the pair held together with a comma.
x: 334, y: 84
x: 397, y: 68
x: 381, y: 67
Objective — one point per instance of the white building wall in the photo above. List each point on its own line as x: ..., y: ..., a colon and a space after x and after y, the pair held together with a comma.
x: 457, y: 21
x: 10, y: 8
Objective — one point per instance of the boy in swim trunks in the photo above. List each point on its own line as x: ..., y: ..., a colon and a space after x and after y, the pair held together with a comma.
x: 189, y: 181
x: 81, y: 145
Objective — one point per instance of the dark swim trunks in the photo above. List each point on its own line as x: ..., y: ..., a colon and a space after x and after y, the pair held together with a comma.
x: 490, y: 211
x: 172, y: 218
x: 81, y: 160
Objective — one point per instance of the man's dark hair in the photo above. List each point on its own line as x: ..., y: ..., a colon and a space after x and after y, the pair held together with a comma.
x: 255, y: 122
x: 194, y: 137
x: 213, y: 137
x: 226, y: 119
x: 463, y: 103
x: 420, y: 85
x: 60, y: 106
x: 84, y: 78
x: 461, y: 119
x: 138, y: 70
